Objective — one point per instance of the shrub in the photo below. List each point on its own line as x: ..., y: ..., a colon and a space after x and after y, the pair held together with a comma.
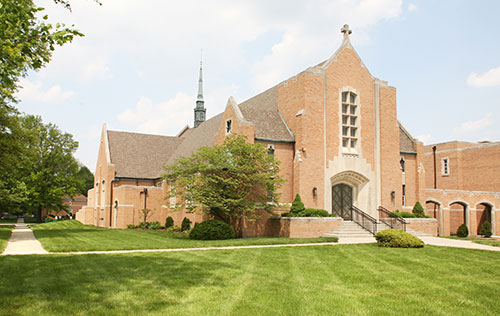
x: 285, y: 214
x: 312, y: 212
x: 485, y: 229
x: 155, y: 225
x: 212, y: 230
x: 186, y: 224
x: 397, y: 238
x: 131, y: 226
x: 462, y: 231
x: 297, y: 205
x: 169, y: 222
x: 174, y: 229
x: 418, y: 210
x: 402, y: 214
x: 143, y: 225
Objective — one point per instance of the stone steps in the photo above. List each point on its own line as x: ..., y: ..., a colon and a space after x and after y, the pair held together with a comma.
x: 349, y: 230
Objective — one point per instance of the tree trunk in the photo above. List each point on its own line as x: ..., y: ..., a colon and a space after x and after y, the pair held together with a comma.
x: 39, y: 214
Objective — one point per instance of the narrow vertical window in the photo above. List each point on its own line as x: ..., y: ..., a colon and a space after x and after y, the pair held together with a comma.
x: 402, y: 163
x: 445, y: 167
x: 229, y: 127
x: 404, y: 194
x: 350, y: 128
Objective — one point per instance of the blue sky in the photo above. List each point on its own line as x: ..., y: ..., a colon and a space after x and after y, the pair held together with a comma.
x: 137, y: 67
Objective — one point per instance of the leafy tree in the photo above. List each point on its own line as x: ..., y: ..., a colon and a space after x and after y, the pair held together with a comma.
x: 145, y: 212
x: 86, y: 180
x: 49, y: 165
x: 229, y: 182
x: 26, y: 43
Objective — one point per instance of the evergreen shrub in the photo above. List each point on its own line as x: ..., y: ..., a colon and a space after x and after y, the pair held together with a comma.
x: 155, y: 225
x: 485, y: 229
x: 397, y: 238
x: 313, y: 212
x: 212, y: 230
x: 462, y: 231
x: 403, y: 214
x: 418, y: 210
x: 143, y: 225
x: 169, y: 222
x: 297, y: 205
x: 186, y: 224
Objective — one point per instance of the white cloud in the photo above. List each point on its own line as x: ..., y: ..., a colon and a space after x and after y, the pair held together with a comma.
x: 490, y: 78
x: 34, y: 92
x: 426, y: 138
x: 160, y: 118
x: 475, y: 126
x: 95, y: 69
x: 412, y: 7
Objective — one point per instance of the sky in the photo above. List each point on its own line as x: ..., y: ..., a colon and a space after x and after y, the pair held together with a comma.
x: 137, y: 67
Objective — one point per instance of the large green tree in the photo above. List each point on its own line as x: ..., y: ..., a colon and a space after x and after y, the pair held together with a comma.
x: 85, y: 180
x: 26, y: 43
x: 229, y: 182
x: 49, y: 165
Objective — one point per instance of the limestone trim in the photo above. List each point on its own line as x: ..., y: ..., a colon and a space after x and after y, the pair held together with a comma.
x: 496, y: 194
x: 376, y: 104
x: 106, y: 143
x: 239, y: 116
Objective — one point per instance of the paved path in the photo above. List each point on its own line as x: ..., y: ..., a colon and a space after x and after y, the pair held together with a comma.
x: 23, y: 241
x: 448, y: 242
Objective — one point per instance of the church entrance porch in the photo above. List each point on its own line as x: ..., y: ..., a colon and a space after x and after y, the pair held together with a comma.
x: 342, y: 200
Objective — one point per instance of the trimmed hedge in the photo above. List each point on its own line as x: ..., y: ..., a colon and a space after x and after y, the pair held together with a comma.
x: 403, y: 214
x: 485, y: 229
x: 462, y: 231
x: 309, y: 212
x: 186, y: 224
x: 398, y: 238
x: 169, y: 222
x: 212, y: 230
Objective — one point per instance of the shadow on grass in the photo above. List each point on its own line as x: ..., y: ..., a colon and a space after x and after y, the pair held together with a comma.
x: 125, y: 284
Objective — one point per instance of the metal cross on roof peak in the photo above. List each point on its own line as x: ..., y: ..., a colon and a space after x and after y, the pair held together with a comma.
x: 345, y: 29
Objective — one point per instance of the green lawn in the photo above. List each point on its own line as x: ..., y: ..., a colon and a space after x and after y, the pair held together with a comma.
x: 316, y: 280
x: 478, y: 240
x: 73, y: 236
x: 4, y: 236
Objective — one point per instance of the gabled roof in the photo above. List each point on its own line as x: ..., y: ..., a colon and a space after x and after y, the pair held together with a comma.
x: 406, y: 141
x: 138, y: 155
x: 262, y: 111
x: 203, y: 135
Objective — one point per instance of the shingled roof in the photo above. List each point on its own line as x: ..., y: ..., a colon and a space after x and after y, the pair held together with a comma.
x: 195, y: 138
x: 262, y: 111
x: 406, y: 141
x: 138, y: 155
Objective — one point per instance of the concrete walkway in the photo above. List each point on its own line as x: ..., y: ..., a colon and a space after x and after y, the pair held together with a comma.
x: 23, y: 241
x: 448, y: 242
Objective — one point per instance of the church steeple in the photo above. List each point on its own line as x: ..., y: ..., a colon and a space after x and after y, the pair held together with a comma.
x: 199, y: 110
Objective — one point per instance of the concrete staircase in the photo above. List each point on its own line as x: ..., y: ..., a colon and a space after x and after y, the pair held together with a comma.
x: 349, y: 230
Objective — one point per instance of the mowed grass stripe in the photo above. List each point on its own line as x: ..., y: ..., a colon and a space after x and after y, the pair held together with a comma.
x: 328, y: 280
x: 5, y: 232
x: 71, y: 235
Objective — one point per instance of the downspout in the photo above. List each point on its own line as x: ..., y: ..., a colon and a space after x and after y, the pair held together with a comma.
x: 145, y: 191
x: 434, y: 155
x: 111, y: 201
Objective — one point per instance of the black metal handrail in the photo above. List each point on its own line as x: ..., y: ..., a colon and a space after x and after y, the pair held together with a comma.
x: 388, y: 218
x: 364, y: 220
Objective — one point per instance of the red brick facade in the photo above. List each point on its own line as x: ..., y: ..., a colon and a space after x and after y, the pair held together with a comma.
x: 384, y: 166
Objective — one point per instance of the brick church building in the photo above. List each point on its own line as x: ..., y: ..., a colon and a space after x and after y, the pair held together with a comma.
x: 334, y: 127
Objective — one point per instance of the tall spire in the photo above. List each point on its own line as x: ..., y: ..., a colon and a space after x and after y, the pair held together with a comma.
x: 200, y: 84
x: 199, y: 110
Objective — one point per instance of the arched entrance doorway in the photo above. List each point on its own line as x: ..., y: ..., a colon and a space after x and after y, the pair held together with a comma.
x: 458, y: 216
x: 342, y: 200
x: 483, y: 214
